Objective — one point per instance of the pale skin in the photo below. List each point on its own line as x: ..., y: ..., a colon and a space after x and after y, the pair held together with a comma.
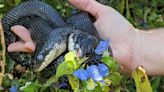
x: 131, y: 47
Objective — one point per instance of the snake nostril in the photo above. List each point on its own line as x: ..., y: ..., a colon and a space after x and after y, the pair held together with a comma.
x: 40, y: 58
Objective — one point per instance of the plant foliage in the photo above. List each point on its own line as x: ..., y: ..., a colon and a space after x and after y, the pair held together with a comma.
x: 142, y: 14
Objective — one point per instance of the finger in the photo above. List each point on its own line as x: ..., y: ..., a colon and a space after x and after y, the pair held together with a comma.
x: 22, y: 32
x: 21, y: 47
x: 91, y: 6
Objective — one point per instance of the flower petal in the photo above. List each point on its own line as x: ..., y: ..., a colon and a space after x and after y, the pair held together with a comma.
x: 81, y: 74
x: 107, y: 44
x: 94, y: 73
x: 13, y: 89
x: 102, y: 46
x: 62, y: 85
x: 104, y: 71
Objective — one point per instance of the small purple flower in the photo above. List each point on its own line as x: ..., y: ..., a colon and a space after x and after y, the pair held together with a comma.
x: 63, y: 84
x: 81, y: 74
x: 104, y: 71
x: 93, y: 72
x: 13, y: 89
x: 102, y: 46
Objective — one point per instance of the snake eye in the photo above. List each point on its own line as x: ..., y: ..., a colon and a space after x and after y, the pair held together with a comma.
x: 40, y: 58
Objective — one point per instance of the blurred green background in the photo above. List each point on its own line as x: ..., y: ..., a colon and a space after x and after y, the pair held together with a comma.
x: 143, y: 14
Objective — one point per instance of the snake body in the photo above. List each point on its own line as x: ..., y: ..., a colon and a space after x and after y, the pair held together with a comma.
x: 50, y: 32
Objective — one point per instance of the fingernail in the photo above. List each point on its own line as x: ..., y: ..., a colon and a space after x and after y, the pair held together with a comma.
x: 13, y: 28
x: 9, y: 49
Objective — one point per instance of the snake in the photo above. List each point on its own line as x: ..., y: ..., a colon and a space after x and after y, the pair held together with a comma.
x: 52, y: 34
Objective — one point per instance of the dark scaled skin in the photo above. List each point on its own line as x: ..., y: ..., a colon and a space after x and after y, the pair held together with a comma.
x: 50, y: 33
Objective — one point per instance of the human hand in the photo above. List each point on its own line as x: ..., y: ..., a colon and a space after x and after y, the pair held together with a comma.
x: 110, y: 24
x: 26, y: 44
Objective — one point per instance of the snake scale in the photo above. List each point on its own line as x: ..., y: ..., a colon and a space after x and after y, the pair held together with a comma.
x: 50, y: 32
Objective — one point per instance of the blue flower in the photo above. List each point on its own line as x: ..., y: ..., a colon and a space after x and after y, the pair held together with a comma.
x: 13, y: 89
x: 93, y: 72
x: 102, y: 46
x: 104, y: 71
x: 81, y: 74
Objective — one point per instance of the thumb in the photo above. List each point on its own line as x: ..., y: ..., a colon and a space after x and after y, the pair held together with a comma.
x: 91, y: 6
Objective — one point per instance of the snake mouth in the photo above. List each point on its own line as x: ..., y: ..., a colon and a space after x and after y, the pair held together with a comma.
x: 73, y: 46
x: 52, y: 55
x: 81, y: 44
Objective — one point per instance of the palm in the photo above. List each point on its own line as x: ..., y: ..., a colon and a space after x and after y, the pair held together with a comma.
x: 120, y: 31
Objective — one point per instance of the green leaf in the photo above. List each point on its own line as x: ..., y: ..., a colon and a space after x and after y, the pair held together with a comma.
x: 14, y: 82
x: 122, y: 6
x: 77, y: 90
x: 51, y: 80
x: 141, y: 80
x: 115, y: 77
x: 1, y: 5
x: 107, y: 81
x: 17, y: 2
x: 65, y: 68
x: 74, y: 82
x: 110, y: 63
x: 70, y: 56
x: 155, y: 83
x: 104, y: 87
x: 31, y: 87
x: 91, y: 85
x: 10, y: 64
x: 82, y: 60
x: 98, y: 89
x: 27, y: 87
x: 63, y: 90
x: 117, y: 89
x: 6, y: 81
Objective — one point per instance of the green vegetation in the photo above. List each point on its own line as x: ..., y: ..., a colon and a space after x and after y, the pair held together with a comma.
x: 143, y: 14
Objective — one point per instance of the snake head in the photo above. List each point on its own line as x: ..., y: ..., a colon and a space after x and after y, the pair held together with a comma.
x: 47, y: 54
x: 82, y: 44
x: 51, y: 47
x: 56, y: 43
